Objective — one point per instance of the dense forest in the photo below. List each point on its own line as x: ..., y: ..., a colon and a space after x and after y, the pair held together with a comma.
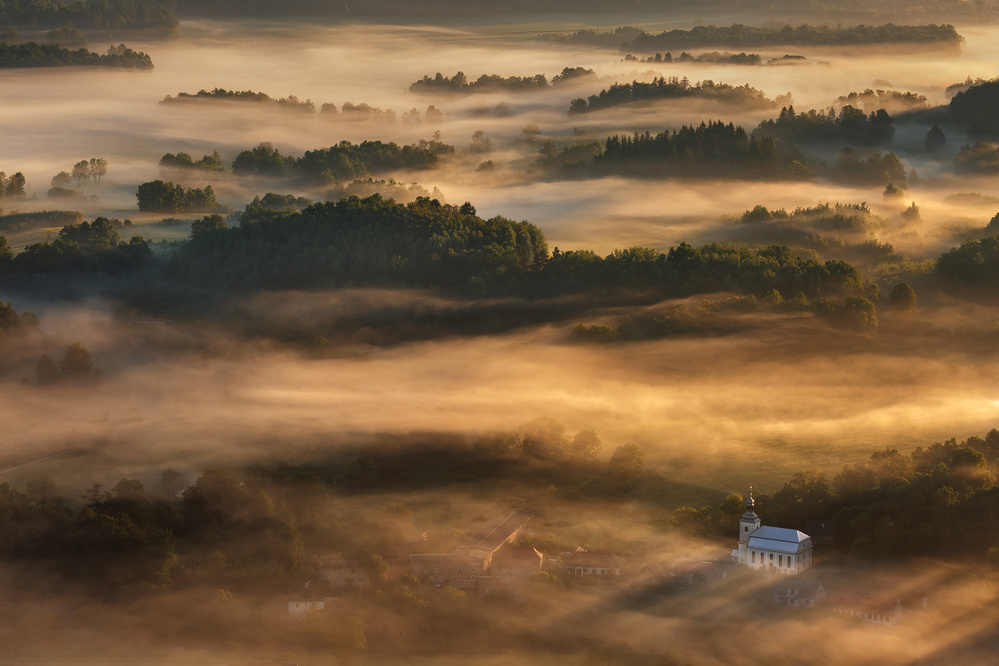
x: 975, y: 107
x: 163, y: 197
x: 361, y: 242
x: 940, y: 500
x: 662, y: 88
x: 103, y: 14
x: 712, y: 148
x: 344, y: 161
x: 850, y: 125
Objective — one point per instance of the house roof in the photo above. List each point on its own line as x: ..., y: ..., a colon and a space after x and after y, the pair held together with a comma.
x: 507, y: 555
x: 779, y: 540
x: 485, y: 541
x: 866, y: 603
x: 582, y: 558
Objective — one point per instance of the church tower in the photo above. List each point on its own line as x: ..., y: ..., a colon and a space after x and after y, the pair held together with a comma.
x: 748, y: 524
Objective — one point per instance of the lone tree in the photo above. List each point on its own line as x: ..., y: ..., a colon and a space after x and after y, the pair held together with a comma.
x: 81, y: 172
x: 627, y: 459
x: 76, y: 362
x: 98, y: 169
x: 935, y: 140
x: 902, y: 298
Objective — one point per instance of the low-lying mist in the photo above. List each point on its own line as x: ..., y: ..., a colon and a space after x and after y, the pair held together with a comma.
x: 338, y: 415
x: 784, y: 387
x: 62, y: 116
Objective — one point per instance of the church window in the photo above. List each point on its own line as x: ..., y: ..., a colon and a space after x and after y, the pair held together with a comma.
x: 745, y: 528
x: 780, y: 560
x: 754, y: 557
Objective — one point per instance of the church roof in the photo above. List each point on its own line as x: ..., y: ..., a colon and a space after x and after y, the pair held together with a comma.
x: 779, y: 540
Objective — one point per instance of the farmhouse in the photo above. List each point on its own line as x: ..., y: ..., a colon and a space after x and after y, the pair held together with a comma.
x: 473, y: 558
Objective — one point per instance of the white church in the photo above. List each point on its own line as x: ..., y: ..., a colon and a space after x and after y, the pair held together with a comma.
x: 776, y: 549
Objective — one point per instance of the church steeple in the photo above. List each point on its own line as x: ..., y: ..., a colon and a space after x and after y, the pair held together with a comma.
x: 748, y: 524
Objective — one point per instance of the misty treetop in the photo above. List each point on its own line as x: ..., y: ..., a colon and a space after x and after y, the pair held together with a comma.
x: 459, y: 83
x: 387, y: 189
x: 211, y: 162
x: 662, y: 88
x: 709, y: 149
x: 361, y: 242
x: 878, y: 168
x: 979, y: 158
x: 976, y: 108
x: 366, y: 112
x: 290, y: 103
x: 849, y: 125
x: 890, y: 100
x: 12, y: 187
x: 164, y: 197
x: 712, y: 58
x: 974, y: 266
x: 344, y: 161
x: 31, y: 54
x: 686, y: 270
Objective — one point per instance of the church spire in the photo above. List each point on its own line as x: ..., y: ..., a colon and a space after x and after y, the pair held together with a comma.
x: 750, y: 502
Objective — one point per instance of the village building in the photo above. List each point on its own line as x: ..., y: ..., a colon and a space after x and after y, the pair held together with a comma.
x: 885, y: 611
x: 463, y: 567
x: 582, y: 563
x: 511, y: 571
x: 344, y: 573
x: 301, y: 609
x: 799, y: 592
x: 777, y: 549
x: 689, y: 573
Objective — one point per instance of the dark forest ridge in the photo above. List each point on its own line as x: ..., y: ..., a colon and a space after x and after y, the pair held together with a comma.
x: 31, y: 54
x: 738, y: 35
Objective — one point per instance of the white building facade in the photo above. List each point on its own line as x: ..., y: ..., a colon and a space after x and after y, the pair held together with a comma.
x: 778, y: 549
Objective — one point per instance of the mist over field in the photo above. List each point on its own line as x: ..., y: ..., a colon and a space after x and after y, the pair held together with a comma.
x: 61, y: 116
x: 227, y: 436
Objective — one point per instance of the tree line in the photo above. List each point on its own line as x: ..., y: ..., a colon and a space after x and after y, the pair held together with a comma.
x: 709, y: 149
x: 290, y: 103
x: 104, y: 14
x: 344, y: 161
x: 32, y: 54
x: 738, y: 35
x: 713, y: 58
x: 459, y: 83
x: 360, y: 242
x: 158, y: 196
x: 849, y: 125
x: 938, y: 500
x: 675, y: 88
x: 81, y: 248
